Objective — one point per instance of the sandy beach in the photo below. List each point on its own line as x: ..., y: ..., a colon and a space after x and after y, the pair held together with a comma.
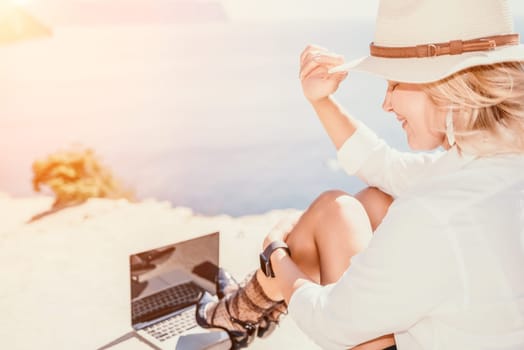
x: 65, y: 277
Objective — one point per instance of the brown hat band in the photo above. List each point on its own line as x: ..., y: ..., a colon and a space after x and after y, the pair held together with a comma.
x: 455, y: 47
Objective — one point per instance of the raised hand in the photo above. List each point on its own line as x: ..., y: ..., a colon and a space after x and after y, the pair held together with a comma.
x: 317, y: 83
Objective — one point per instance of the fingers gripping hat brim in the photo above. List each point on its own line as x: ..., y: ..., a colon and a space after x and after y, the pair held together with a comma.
x: 430, y: 69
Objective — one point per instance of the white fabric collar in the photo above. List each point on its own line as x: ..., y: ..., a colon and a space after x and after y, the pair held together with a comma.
x: 450, y: 161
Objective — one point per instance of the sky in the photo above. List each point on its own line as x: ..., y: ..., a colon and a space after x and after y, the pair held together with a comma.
x: 300, y: 9
x: 272, y: 9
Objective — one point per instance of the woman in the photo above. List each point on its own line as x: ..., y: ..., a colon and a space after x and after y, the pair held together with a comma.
x: 431, y: 255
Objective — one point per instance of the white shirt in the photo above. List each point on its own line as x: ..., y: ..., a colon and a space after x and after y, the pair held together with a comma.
x: 444, y: 270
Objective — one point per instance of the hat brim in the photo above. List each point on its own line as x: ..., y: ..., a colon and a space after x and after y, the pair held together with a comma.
x: 430, y: 69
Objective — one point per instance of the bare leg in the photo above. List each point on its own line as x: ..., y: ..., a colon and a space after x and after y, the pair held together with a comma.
x: 322, y: 240
x: 334, y: 228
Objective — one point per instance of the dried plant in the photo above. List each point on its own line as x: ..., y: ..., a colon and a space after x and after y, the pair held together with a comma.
x: 76, y: 176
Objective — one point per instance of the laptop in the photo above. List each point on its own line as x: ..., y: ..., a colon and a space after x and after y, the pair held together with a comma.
x: 166, y: 283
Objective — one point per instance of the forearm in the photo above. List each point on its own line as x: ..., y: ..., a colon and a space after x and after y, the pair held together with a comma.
x: 288, y: 276
x: 338, y: 124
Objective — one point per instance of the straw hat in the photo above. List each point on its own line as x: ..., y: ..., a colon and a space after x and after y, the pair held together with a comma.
x: 420, y: 41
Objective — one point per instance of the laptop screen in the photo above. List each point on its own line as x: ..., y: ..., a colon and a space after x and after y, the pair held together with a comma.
x: 170, y: 278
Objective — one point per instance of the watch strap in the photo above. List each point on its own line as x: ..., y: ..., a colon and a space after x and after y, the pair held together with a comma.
x: 274, y: 246
x: 266, y: 266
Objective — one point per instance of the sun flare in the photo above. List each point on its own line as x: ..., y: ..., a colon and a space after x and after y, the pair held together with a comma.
x: 20, y: 2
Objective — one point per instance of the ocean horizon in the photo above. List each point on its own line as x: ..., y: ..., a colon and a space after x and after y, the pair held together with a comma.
x: 208, y: 116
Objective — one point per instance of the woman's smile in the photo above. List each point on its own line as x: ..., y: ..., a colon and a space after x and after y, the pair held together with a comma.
x: 414, y: 110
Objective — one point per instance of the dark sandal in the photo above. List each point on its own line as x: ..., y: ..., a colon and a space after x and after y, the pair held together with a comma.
x: 231, y: 293
x: 271, y: 319
x: 226, y: 284
x: 239, y: 339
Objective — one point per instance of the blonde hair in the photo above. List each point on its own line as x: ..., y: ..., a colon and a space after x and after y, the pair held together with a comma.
x: 488, y: 107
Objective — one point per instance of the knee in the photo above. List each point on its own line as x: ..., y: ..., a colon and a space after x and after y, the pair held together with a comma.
x: 341, y: 218
x: 327, y: 199
x: 371, y: 201
x: 373, y: 194
x: 334, y: 201
x: 376, y: 203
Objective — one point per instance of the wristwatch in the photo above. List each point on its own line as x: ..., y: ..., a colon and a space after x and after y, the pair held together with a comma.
x: 265, y: 262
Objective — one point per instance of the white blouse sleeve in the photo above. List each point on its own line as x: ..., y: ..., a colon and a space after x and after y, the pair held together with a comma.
x: 408, y: 268
x: 370, y: 158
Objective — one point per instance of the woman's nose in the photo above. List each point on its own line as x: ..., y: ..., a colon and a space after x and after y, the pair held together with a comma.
x: 386, y: 105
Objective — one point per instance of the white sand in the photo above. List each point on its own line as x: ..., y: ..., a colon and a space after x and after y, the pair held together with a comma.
x: 65, y: 278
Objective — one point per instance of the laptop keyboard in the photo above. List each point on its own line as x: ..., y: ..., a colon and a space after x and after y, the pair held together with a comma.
x: 166, y: 301
x: 174, y: 325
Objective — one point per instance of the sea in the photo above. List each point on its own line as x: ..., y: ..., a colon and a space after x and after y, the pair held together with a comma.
x: 209, y: 116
